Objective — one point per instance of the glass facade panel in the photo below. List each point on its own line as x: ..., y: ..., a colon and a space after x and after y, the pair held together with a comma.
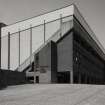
x: 14, y: 51
x: 51, y: 29
x: 4, y: 52
x: 67, y: 24
x: 24, y: 45
x: 37, y: 37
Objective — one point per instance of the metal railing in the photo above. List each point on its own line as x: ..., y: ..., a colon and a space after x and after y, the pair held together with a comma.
x: 54, y: 38
x: 57, y: 29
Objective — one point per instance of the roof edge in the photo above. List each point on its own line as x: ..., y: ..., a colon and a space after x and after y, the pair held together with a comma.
x: 83, y: 22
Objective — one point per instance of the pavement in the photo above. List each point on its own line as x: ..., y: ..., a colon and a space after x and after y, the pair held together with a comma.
x: 53, y: 94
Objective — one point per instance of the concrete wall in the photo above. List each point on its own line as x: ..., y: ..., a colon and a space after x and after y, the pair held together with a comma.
x: 45, y: 77
x: 65, y: 53
x: 46, y: 58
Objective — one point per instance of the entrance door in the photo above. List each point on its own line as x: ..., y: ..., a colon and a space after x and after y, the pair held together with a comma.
x: 37, y: 79
x: 63, y: 77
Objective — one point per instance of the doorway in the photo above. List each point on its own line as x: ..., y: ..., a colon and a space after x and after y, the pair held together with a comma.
x: 63, y: 77
x: 37, y: 79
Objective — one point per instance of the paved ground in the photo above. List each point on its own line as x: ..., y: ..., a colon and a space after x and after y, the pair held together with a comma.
x: 53, y: 94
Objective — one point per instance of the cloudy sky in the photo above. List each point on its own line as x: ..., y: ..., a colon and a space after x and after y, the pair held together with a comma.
x: 92, y: 10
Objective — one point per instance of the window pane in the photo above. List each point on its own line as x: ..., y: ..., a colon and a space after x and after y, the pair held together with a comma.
x: 24, y: 45
x: 14, y: 51
x: 51, y: 29
x: 67, y: 24
x: 4, y: 52
x: 37, y: 37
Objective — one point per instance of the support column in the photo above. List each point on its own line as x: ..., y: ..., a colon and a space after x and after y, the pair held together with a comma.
x: 44, y: 31
x: 30, y: 44
x: 71, y: 77
x: 85, y: 79
x: 19, y: 47
x: 60, y: 25
x: 79, y: 78
x: 89, y: 80
x: 8, y: 50
x: 34, y: 70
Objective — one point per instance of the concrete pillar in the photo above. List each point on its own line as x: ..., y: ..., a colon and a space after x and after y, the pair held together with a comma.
x: 71, y: 77
x: 85, y: 79
x: 34, y: 69
x: 89, y: 80
x: 79, y: 81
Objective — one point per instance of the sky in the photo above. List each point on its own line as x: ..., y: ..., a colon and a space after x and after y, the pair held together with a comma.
x: 93, y: 11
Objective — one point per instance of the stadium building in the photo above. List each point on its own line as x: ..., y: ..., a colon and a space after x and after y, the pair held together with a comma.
x: 56, y: 47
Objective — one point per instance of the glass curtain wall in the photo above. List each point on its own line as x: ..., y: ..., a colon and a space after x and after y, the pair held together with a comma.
x: 4, y: 52
x: 14, y: 51
x: 37, y: 37
x: 24, y: 45
x: 51, y: 29
x: 20, y: 49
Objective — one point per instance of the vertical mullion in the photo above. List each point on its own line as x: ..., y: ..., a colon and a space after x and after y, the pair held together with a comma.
x: 44, y: 31
x: 60, y: 25
x: 19, y: 47
x: 30, y: 40
x: 30, y: 45
x: 8, y: 50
